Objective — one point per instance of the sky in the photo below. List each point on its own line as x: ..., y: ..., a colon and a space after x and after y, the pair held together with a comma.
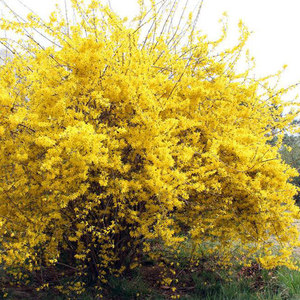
x: 275, y: 25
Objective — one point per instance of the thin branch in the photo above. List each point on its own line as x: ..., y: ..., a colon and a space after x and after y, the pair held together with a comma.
x: 67, y: 17
x: 179, y: 22
x: 43, y: 23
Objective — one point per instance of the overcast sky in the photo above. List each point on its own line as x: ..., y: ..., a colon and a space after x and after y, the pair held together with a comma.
x: 275, y: 24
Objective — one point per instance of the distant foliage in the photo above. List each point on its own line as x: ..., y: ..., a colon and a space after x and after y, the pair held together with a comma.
x: 290, y: 153
x: 118, y: 135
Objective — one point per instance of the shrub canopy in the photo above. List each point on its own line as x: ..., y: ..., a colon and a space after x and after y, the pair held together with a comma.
x: 115, y: 136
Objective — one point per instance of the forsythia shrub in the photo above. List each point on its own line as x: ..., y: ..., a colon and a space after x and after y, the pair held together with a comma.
x: 114, y: 137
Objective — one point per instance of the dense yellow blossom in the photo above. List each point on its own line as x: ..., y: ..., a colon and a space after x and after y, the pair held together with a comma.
x: 114, y: 136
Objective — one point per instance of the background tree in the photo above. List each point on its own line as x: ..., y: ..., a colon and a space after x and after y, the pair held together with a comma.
x: 290, y: 152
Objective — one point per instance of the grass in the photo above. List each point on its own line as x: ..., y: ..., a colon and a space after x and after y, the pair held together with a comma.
x: 204, y: 280
x: 279, y: 284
